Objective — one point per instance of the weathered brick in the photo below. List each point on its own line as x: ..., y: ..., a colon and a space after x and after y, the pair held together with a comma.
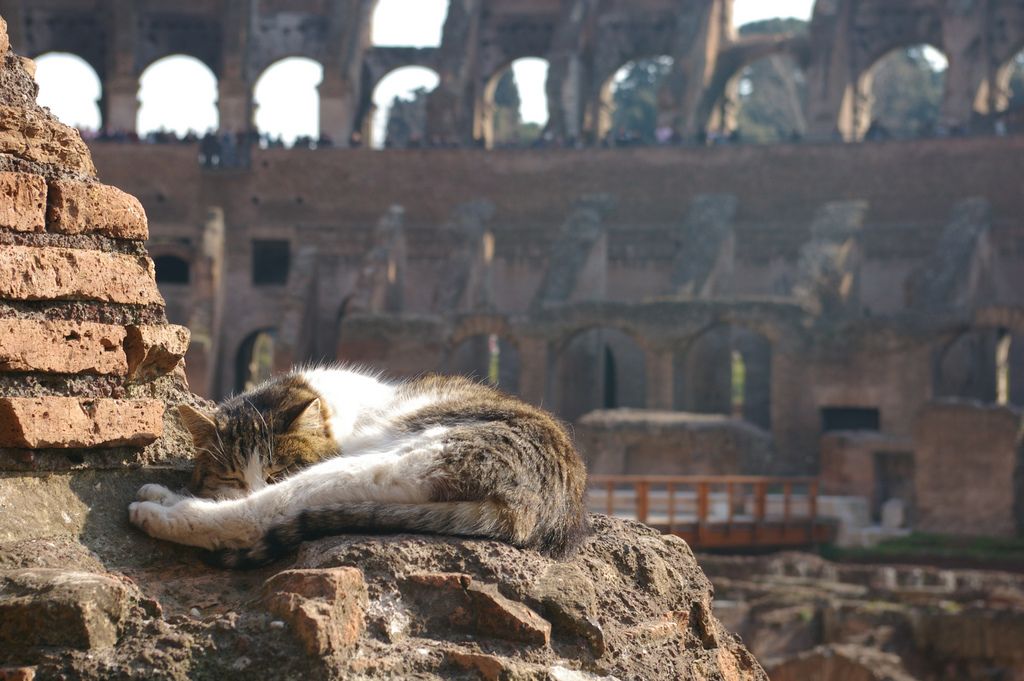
x: 83, y: 207
x: 324, y: 607
x: 29, y: 134
x: 28, y: 273
x: 59, y: 422
x: 154, y: 350
x: 62, y: 347
x: 22, y: 202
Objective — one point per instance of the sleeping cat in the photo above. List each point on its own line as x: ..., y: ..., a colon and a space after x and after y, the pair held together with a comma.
x: 326, y: 451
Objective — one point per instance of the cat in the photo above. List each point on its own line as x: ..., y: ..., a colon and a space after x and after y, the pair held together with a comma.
x: 326, y: 451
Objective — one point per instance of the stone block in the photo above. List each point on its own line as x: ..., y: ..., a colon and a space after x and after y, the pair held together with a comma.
x: 499, y: 617
x: 489, y: 667
x: 61, y: 422
x: 965, y: 458
x: 154, y: 350
x: 83, y: 208
x: 28, y: 273
x: 31, y: 135
x: 51, y: 607
x: 22, y: 202
x: 325, y: 608
x: 62, y: 347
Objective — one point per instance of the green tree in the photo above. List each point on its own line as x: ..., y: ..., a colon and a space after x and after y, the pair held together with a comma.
x: 635, y: 97
x: 907, y: 91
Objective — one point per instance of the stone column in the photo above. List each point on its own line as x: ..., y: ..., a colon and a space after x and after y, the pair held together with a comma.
x: 965, y: 40
x: 660, y: 374
x: 567, y: 72
x: 830, y: 84
x: 699, y: 37
x: 348, y: 38
x: 120, y: 103
x: 450, y: 107
x: 207, y: 306
x: 533, y: 369
x: 234, y: 97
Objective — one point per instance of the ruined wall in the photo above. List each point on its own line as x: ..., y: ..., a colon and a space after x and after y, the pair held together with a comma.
x: 86, y: 352
x: 968, y: 469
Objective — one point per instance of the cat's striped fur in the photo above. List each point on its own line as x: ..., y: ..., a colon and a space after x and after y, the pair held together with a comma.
x: 329, y: 451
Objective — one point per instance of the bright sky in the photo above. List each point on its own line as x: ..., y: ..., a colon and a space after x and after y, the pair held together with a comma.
x: 179, y: 93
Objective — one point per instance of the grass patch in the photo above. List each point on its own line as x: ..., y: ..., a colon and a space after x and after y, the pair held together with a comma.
x: 933, y: 546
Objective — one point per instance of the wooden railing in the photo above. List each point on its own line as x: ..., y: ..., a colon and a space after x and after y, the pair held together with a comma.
x: 717, y: 510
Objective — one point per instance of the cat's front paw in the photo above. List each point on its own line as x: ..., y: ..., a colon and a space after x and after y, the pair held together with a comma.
x: 163, y: 522
x: 158, y: 494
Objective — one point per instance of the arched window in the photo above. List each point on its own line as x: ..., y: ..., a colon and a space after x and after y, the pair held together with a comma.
x: 599, y: 368
x: 517, y: 105
x: 71, y: 88
x: 287, y: 102
x: 770, y: 95
x: 746, y: 12
x: 177, y: 94
x: 985, y: 364
x: 629, y: 110
x: 409, y: 23
x: 726, y: 370
x: 255, y: 360
x: 901, y: 95
x: 489, y: 359
x: 400, y: 107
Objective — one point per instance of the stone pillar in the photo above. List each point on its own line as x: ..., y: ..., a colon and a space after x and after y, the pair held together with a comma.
x: 828, y: 272
x: 699, y: 37
x: 348, y: 37
x: 234, y: 104
x: 234, y: 92
x: 965, y: 41
x: 207, y: 306
x: 120, y: 102
x: 451, y: 106
x: 567, y: 72
x: 660, y: 373
x: 533, y: 369
x: 830, y: 83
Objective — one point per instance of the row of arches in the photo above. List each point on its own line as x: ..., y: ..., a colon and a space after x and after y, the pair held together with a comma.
x: 724, y: 370
x: 899, y: 96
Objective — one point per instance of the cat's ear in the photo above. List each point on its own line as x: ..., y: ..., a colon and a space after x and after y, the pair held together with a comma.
x: 201, y: 426
x: 308, y: 419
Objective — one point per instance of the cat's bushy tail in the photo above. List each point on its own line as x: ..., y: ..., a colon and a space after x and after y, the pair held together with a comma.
x: 464, y: 518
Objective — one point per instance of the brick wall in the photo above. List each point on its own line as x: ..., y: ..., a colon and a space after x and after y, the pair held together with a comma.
x: 88, y: 362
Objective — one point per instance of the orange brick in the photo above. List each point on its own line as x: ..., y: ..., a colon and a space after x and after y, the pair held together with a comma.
x: 29, y: 134
x: 28, y: 273
x: 22, y: 202
x: 154, y: 350
x: 83, y: 208
x: 62, y: 347
x: 62, y: 422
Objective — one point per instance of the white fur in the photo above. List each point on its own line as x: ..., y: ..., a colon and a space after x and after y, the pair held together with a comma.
x: 375, y: 464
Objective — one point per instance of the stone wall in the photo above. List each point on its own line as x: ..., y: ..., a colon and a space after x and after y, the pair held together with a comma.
x: 633, y: 442
x: 969, y: 469
x: 86, y: 354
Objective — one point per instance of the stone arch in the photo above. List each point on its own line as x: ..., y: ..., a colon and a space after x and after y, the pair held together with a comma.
x: 725, y: 369
x: 776, y: 76
x: 644, y: 73
x: 900, y: 68
x: 254, y: 361
x: 411, y: 85
x: 286, y: 90
x: 486, y: 357
x: 71, y: 87
x: 597, y: 367
x: 984, y: 362
x: 500, y: 115
x: 177, y: 82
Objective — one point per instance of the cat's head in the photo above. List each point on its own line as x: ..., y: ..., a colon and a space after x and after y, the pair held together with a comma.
x: 242, y: 449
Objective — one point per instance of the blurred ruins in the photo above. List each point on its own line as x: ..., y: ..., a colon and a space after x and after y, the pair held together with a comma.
x: 840, y: 306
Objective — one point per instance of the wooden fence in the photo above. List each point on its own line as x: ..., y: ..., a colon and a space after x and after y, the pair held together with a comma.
x: 717, y: 511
